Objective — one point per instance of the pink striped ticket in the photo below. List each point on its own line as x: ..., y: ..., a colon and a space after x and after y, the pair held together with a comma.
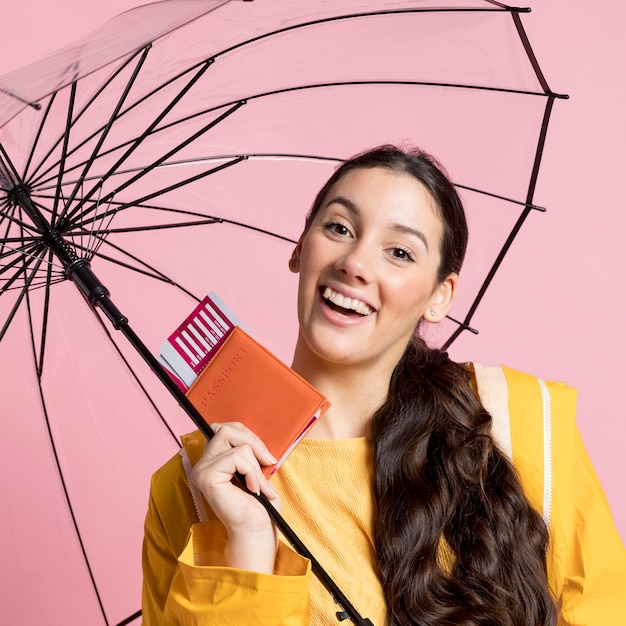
x: 188, y: 349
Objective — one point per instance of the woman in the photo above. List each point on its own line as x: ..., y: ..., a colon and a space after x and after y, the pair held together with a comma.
x: 404, y: 490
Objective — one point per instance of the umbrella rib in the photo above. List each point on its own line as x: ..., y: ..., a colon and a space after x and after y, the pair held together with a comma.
x: 212, y: 157
x: 46, y: 310
x: 130, y: 108
x: 137, y: 379
x: 6, y: 159
x: 16, y: 220
x: 353, y: 83
x: 139, y: 140
x: 16, y: 96
x: 60, y: 471
x: 539, y: 152
x: 21, y: 252
x: 85, y: 107
x: 207, y: 222
x: 208, y: 219
x: 531, y: 55
x: 244, y: 99
x: 146, y: 170
x: 509, y: 8
x: 107, y: 128
x: 139, y: 202
x: 23, y: 293
x: 156, y: 227
x: 130, y: 619
x: 6, y: 207
x: 181, y: 183
x: 523, y: 216
x: 66, y: 139
x: 151, y: 272
x: 95, y: 232
x: 420, y: 83
x: 24, y: 225
x: 352, y: 16
x: 516, y: 228
x: 463, y: 326
x: 257, y: 229
x: 499, y: 197
x: 159, y: 192
x: 261, y: 155
x: 40, y: 128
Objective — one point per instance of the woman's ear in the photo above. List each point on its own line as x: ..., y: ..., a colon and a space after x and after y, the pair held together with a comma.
x: 442, y: 299
x: 294, y: 261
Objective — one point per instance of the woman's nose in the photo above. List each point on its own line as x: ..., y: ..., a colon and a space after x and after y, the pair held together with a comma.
x: 357, y: 263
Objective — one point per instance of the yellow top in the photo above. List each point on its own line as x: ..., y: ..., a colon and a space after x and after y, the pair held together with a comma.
x: 326, y: 494
x: 328, y: 485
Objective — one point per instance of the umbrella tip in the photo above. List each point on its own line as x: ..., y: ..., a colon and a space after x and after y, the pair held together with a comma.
x: 12, y: 94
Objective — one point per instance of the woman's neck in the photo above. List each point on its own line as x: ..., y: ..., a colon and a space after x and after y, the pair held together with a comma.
x: 356, y: 392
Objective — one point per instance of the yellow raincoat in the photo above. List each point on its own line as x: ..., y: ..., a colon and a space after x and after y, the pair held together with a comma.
x: 325, y: 489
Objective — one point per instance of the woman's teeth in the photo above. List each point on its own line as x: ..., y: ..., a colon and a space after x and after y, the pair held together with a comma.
x: 351, y: 304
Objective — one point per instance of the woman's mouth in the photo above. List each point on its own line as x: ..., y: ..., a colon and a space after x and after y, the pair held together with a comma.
x: 344, y: 305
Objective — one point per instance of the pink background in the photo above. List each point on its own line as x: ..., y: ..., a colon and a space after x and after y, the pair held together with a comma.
x: 565, y: 324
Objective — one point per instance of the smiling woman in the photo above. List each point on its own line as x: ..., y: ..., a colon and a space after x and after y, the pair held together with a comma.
x: 373, y: 236
x: 433, y: 492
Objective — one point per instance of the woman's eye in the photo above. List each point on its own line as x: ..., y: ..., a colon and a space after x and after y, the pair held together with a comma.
x: 337, y: 228
x: 402, y: 254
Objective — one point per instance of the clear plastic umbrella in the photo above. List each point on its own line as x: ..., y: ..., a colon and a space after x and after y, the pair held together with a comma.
x: 173, y: 169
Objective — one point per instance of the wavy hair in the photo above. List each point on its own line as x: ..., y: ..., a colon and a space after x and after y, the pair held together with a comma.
x: 456, y: 539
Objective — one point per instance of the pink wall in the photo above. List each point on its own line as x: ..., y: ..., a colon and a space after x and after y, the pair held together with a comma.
x: 568, y: 293
x: 571, y: 317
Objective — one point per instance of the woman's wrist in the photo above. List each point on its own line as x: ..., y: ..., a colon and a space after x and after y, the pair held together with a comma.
x: 254, y: 551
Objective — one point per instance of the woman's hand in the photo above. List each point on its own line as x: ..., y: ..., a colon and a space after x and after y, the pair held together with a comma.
x: 252, y: 540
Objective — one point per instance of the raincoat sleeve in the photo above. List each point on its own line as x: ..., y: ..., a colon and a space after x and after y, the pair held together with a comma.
x: 184, y: 584
x: 588, y: 559
x: 594, y: 591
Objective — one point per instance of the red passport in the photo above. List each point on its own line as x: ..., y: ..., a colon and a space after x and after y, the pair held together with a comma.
x: 244, y: 382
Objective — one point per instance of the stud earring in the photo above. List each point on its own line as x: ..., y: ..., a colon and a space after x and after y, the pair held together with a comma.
x: 433, y: 313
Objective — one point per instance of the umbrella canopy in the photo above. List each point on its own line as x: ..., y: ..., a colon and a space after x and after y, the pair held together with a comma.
x: 188, y: 166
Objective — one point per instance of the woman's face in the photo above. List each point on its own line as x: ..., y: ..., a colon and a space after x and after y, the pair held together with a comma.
x: 368, y: 268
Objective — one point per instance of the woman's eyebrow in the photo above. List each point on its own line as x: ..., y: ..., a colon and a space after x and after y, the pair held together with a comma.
x: 399, y: 228
x: 348, y: 204
x: 408, y: 230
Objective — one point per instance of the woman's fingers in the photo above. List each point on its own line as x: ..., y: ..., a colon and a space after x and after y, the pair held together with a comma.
x: 241, y: 459
x: 235, y: 449
x: 232, y: 434
x: 269, y: 492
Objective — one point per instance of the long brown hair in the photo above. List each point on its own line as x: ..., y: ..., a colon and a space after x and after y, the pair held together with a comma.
x: 456, y: 538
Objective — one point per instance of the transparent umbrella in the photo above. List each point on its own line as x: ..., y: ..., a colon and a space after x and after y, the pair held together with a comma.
x: 160, y: 172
